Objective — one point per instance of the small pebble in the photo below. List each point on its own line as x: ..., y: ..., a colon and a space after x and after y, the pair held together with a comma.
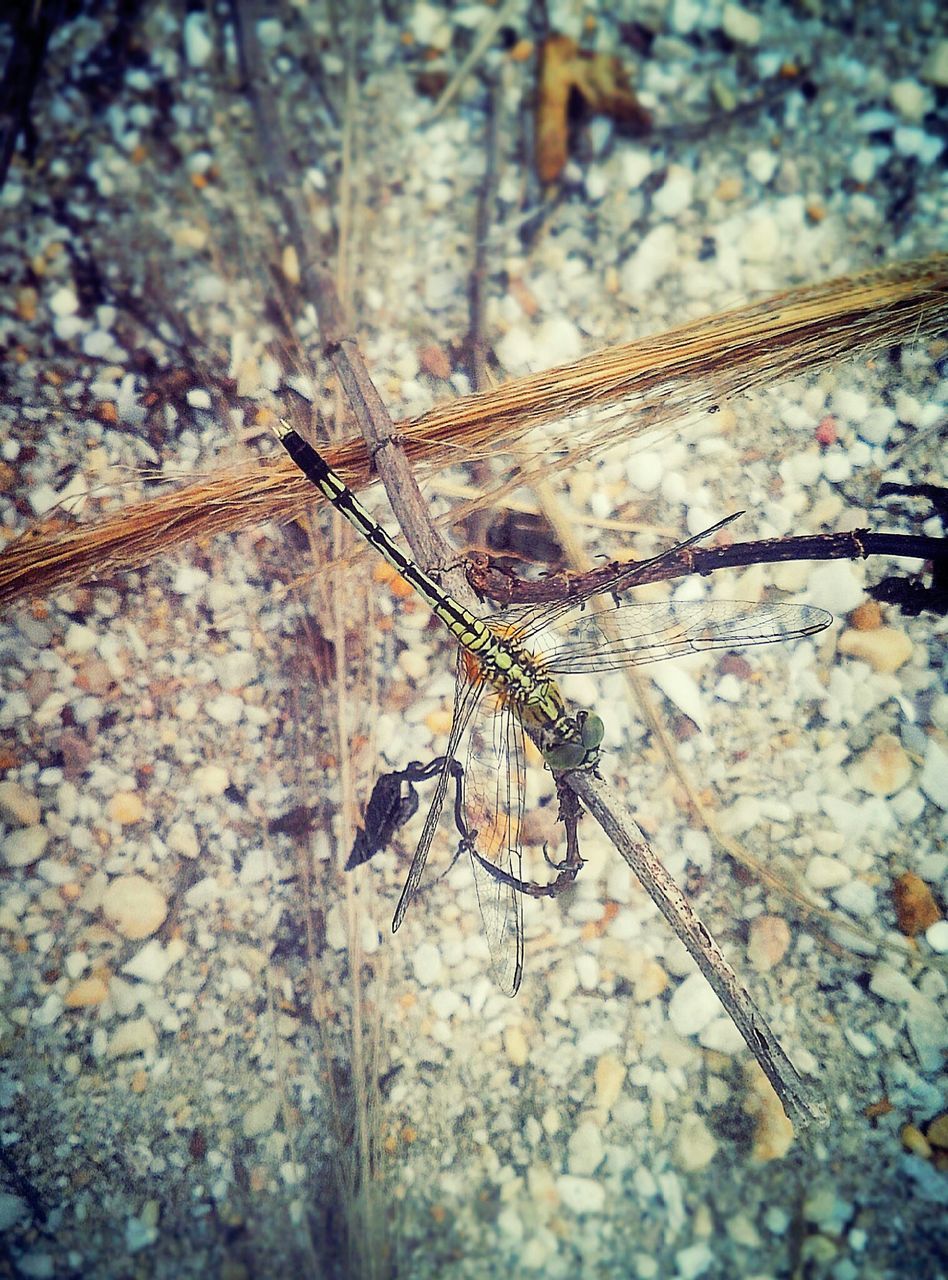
x: 858, y: 898
x: 87, y: 993
x: 937, y: 937
x: 426, y: 964
x: 915, y: 1141
x: 126, y: 808
x: 935, y: 67
x: 226, y: 709
x: 888, y: 984
x: 210, y: 780
x: 692, y: 1006
x: 586, y: 1151
x: 64, y: 302
x: 826, y: 873
x: 740, y: 25
x: 515, y: 1044
x: 768, y: 942
x: 773, y: 1130
x: 135, y: 1036
x: 609, y: 1078
x: 261, y: 1116
x: 18, y: 807
x: 582, y: 1195
x: 24, y: 846
x: 934, y: 777
x: 183, y: 839
x: 153, y: 961
x: 198, y: 46
x: 696, y: 1146
x: 885, y: 649
x: 883, y: 769
x: 135, y: 906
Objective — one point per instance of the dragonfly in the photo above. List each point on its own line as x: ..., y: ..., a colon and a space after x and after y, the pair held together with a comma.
x: 507, y: 666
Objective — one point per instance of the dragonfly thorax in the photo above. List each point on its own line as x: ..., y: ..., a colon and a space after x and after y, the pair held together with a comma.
x: 520, y: 680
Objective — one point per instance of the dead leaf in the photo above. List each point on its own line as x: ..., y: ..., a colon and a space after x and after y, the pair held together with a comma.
x: 915, y: 907
x: 600, y: 81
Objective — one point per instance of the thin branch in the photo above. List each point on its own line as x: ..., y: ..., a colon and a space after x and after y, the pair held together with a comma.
x: 609, y: 810
x: 857, y: 544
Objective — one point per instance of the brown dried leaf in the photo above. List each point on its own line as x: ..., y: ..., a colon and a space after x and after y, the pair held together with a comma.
x: 915, y: 907
x: 599, y: 79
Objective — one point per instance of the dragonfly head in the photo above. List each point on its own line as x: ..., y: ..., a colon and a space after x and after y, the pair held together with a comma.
x: 580, y: 751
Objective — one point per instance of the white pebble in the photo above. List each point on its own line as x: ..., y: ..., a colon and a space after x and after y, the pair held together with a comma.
x: 876, y: 426
x: 644, y: 471
x: 863, y: 164
x: 587, y: 971
x: 936, y: 935
x: 835, y: 586
x: 586, y: 1151
x: 12, y: 1210
x: 153, y: 961
x: 198, y: 398
x: 188, y: 580
x: 582, y: 1195
x: 135, y: 906
x: 49, y: 1010
x: 198, y: 46
x: 210, y: 780
x: 656, y: 255
x: 911, y: 100
x: 135, y: 1036
x: 889, y: 984
x: 762, y: 240
x: 675, y: 194
x: 729, y: 688
x: 740, y: 25
x: 79, y: 639
x: 858, y: 898
x: 426, y: 964
x: 865, y: 1047
x: 934, y: 776
x: 693, y: 1005
x: 935, y: 68
x: 226, y: 709
x: 24, y: 846
x: 256, y: 866
x: 696, y: 1145
x: 928, y: 1032
x: 64, y: 302
x: 693, y: 1261
x: 17, y: 806
x: 827, y: 873
x: 54, y: 872
x: 261, y: 1116
x: 183, y: 839
x: 762, y: 165
x: 76, y: 964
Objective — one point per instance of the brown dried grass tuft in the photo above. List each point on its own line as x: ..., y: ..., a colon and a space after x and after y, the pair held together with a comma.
x: 652, y: 380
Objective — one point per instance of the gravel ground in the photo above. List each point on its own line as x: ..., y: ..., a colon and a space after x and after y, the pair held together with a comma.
x: 202, y: 1018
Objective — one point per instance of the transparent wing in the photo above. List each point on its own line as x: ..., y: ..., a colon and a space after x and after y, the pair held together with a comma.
x: 493, y: 807
x: 467, y: 694
x: 634, y: 634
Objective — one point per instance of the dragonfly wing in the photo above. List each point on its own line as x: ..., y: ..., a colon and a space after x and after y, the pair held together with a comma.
x: 467, y: 694
x: 493, y: 807
x: 634, y: 634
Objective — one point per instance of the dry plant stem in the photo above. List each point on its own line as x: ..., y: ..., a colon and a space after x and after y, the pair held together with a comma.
x: 604, y: 804
x: 753, y: 344
x: 340, y: 346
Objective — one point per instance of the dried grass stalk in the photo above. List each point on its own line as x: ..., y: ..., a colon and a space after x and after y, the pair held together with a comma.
x: 654, y: 379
